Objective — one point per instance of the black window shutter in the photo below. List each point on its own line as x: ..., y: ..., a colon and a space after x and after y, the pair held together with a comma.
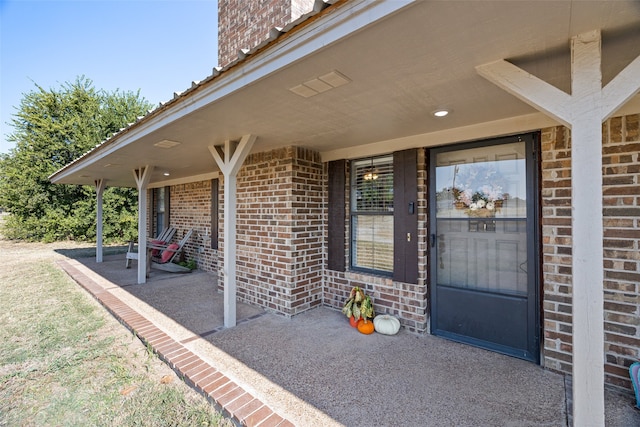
x: 337, y: 214
x: 405, y: 216
x: 214, y: 213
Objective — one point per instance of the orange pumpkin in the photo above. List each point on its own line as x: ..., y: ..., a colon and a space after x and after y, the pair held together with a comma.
x: 353, y: 322
x: 365, y: 327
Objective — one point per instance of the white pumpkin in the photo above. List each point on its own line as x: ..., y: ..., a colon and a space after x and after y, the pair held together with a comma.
x: 386, y: 324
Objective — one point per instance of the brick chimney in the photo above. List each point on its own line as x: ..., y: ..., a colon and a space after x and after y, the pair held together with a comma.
x: 243, y: 24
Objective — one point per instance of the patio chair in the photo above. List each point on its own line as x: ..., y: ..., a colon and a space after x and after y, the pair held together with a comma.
x: 163, y: 239
x: 168, y: 254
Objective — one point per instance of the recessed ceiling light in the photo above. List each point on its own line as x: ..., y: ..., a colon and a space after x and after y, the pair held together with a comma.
x: 441, y: 113
x: 166, y: 174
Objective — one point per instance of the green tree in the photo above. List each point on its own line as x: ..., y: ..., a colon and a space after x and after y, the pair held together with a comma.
x: 51, y: 129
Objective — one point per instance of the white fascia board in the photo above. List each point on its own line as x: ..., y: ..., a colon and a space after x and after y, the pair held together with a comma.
x: 346, y: 20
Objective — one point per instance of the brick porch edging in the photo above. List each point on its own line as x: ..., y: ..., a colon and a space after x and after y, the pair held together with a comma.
x: 235, y: 402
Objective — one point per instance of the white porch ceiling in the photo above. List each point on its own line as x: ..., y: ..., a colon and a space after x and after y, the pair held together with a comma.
x: 400, y: 68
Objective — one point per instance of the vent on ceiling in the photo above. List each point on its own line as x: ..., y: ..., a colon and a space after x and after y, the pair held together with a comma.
x: 165, y: 143
x: 321, y: 84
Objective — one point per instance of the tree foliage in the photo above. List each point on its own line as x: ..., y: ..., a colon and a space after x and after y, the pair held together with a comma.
x: 51, y: 129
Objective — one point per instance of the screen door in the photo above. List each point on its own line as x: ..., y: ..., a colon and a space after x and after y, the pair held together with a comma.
x: 483, y: 245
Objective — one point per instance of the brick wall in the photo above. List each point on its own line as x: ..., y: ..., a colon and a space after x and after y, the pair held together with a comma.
x: 621, y: 206
x: 556, y: 247
x: 245, y: 24
x: 307, y: 228
x: 191, y: 209
x: 621, y: 210
x: 406, y: 301
x: 279, y: 228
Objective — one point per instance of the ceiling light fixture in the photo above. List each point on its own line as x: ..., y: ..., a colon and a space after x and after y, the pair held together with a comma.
x: 441, y: 112
x: 370, y: 176
x: 166, y: 174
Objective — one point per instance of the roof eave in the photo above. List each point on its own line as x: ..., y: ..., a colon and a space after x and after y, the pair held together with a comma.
x: 284, y: 46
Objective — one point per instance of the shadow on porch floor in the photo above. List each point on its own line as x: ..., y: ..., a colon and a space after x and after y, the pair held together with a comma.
x: 314, y: 369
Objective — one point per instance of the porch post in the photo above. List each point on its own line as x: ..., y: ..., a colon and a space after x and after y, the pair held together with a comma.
x: 229, y: 160
x: 587, y: 231
x: 142, y: 177
x: 100, y: 184
x: 583, y: 111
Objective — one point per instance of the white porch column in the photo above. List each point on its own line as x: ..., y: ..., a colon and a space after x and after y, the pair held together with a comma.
x: 100, y: 184
x: 142, y: 177
x: 583, y: 111
x: 229, y: 160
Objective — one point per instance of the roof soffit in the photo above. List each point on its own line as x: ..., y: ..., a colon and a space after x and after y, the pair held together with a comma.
x: 401, y: 67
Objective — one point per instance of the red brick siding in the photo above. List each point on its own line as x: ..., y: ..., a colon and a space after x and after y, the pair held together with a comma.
x: 308, y: 249
x: 245, y: 24
x: 556, y: 247
x: 190, y: 208
x: 279, y: 230
x: 621, y: 210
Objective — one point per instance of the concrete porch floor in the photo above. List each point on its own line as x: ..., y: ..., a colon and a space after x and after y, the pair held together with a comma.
x: 314, y: 370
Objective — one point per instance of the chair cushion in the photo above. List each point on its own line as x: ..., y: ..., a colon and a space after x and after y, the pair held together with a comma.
x: 156, y: 252
x: 168, y: 253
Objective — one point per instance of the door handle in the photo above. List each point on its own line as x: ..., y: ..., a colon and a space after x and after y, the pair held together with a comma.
x: 432, y: 239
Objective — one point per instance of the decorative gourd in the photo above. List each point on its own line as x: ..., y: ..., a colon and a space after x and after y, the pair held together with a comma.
x: 365, y: 327
x: 386, y: 324
x: 358, y: 306
x: 353, y: 322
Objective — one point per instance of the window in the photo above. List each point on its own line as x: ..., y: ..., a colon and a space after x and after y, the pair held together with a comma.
x: 372, y: 214
x: 215, y: 193
x: 160, y: 209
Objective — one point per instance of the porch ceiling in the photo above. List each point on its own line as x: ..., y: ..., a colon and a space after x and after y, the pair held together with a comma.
x: 401, y: 69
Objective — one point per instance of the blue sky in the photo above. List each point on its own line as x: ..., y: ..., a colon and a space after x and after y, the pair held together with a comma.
x: 156, y: 46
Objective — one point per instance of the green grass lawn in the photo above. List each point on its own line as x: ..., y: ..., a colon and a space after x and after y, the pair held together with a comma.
x: 64, y: 361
